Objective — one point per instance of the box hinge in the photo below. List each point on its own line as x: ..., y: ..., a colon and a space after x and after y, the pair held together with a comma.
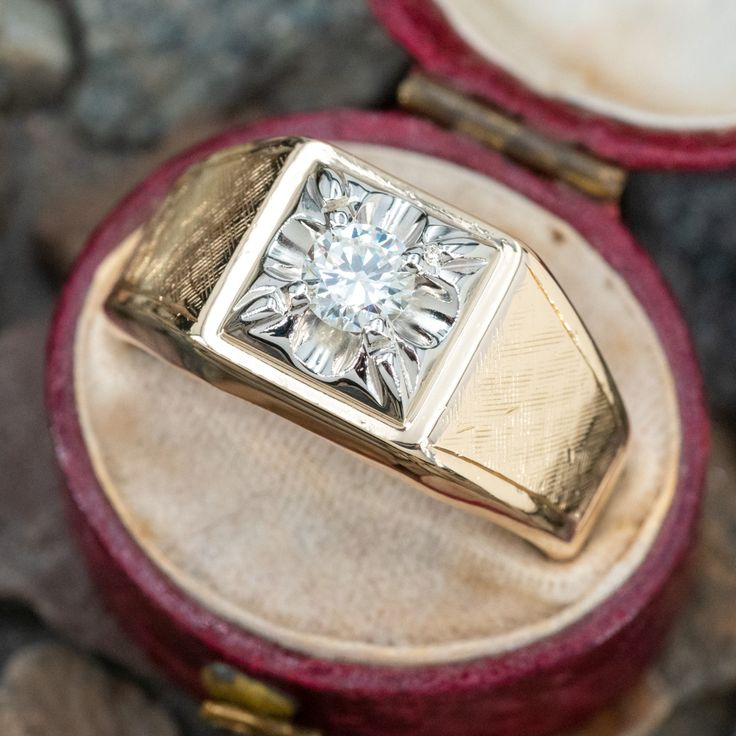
x: 242, y: 704
x: 450, y: 108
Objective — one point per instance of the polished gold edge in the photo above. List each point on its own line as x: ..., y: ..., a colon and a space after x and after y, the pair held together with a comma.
x: 197, y: 344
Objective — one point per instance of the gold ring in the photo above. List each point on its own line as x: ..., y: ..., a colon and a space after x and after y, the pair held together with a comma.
x: 302, y: 279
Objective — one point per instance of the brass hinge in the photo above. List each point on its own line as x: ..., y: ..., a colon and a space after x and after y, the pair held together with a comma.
x: 244, y: 705
x: 447, y: 106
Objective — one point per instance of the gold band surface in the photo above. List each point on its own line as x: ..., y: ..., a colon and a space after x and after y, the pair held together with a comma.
x: 531, y: 432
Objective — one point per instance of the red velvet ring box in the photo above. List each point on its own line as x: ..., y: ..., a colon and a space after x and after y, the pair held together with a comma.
x: 220, y: 533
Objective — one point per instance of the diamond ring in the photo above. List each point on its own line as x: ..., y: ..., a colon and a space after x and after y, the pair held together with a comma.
x: 302, y: 279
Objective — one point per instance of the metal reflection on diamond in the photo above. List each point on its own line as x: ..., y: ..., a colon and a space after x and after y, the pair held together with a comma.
x: 362, y: 287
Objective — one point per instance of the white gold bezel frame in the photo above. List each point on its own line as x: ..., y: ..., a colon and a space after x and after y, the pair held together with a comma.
x: 456, y: 353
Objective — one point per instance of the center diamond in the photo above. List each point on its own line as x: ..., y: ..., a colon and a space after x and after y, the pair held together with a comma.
x: 360, y: 287
x: 355, y: 273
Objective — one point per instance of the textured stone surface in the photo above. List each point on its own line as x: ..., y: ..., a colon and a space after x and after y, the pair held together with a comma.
x: 24, y: 292
x: 688, y: 223
x: 36, y: 53
x: 150, y: 65
x: 7, y: 171
x: 704, y: 658
x: 38, y: 563
x: 709, y: 716
x: 67, y: 208
x: 49, y: 690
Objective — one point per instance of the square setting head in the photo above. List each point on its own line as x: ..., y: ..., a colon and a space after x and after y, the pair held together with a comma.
x: 359, y: 284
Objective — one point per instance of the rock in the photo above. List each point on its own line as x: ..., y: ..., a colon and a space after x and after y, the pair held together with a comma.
x: 39, y: 564
x: 49, y: 690
x: 24, y: 292
x: 702, y: 658
x: 152, y: 65
x: 68, y: 207
x: 688, y: 223
x: 36, y: 56
x: 8, y: 172
x: 710, y: 716
x: 19, y: 627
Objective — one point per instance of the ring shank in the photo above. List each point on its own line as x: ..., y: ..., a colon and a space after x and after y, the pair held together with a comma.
x: 538, y: 420
x: 182, y: 254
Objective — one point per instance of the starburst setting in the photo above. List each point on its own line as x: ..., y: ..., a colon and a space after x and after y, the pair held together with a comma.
x: 360, y: 288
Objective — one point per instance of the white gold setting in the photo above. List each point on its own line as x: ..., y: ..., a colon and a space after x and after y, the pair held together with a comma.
x: 360, y: 288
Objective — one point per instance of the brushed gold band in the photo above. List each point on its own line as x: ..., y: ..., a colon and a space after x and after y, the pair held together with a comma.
x: 516, y: 417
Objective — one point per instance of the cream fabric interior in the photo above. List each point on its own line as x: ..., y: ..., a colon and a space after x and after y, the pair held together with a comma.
x: 294, y: 539
x: 656, y: 63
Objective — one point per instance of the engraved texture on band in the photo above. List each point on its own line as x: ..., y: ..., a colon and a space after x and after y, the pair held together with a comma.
x: 533, y: 410
x: 182, y: 253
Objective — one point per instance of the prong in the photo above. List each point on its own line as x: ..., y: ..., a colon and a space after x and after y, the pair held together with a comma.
x: 432, y: 254
x: 339, y: 203
x: 339, y: 218
x: 377, y: 326
x: 298, y: 295
x: 260, y: 308
x: 412, y: 261
x: 331, y: 185
x: 375, y: 336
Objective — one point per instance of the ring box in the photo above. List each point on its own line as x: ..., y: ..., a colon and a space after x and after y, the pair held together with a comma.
x: 221, y: 534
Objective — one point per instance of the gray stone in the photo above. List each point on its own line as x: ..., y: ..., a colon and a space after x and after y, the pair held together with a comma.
x: 24, y: 292
x: 688, y: 223
x: 67, y: 208
x: 702, y: 658
x: 50, y: 690
x: 8, y: 172
x: 39, y: 564
x: 150, y: 65
x: 710, y: 716
x: 36, y: 55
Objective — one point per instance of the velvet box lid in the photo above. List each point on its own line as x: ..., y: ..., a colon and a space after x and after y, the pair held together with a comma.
x: 639, y: 82
x: 460, y: 639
